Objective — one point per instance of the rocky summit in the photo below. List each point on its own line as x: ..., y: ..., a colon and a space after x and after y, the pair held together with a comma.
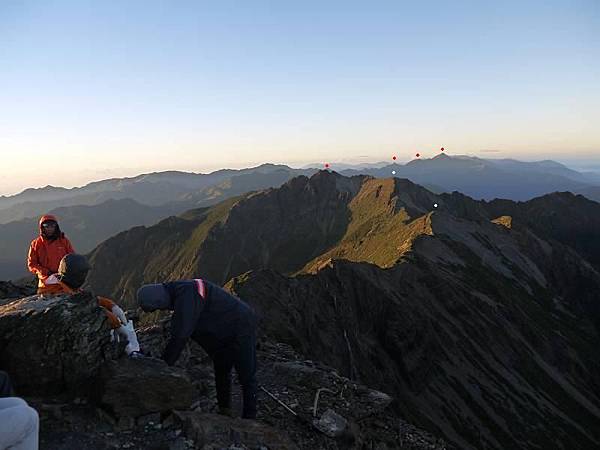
x: 90, y: 396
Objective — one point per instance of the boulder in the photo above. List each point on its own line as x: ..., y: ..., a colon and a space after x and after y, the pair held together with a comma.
x: 137, y: 387
x: 331, y: 424
x: 212, y: 432
x: 54, y: 344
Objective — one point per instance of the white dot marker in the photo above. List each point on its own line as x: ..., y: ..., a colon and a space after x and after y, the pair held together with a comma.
x: 435, y: 205
x: 393, y: 172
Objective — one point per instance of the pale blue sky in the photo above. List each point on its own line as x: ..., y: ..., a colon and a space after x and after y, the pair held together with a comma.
x: 96, y: 89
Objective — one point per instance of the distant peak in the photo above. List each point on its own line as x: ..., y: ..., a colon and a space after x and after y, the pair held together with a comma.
x: 441, y: 156
x: 416, y: 161
x: 45, y: 188
x: 324, y: 173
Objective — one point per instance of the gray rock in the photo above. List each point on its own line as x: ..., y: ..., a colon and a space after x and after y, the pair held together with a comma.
x: 138, y: 387
x: 331, y: 423
x: 53, y: 344
x: 213, y: 431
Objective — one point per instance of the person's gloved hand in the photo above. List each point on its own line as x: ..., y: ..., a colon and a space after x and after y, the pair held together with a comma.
x: 117, y: 311
x: 51, y: 279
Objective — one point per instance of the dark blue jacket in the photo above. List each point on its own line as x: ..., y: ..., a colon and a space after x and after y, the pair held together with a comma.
x: 214, y: 321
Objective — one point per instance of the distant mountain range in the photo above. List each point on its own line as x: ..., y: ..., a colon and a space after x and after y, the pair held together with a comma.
x: 480, y: 178
x: 481, y: 318
x: 154, y: 196
x: 111, y: 210
x: 154, y: 189
x: 338, y: 166
x: 487, y: 178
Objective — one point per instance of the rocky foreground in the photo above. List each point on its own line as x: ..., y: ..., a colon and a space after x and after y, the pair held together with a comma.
x: 60, y: 356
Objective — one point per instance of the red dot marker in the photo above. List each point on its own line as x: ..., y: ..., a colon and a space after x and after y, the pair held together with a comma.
x: 418, y: 155
x: 327, y: 165
x: 442, y: 149
x: 394, y: 158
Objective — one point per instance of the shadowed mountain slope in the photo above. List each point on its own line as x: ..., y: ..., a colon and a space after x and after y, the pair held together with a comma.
x: 481, y: 320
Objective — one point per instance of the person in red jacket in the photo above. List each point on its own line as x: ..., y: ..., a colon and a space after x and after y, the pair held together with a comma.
x: 46, y: 252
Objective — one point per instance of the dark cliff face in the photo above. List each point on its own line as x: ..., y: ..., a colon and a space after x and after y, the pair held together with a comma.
x: 468, y: 353
x: 482, y: 318
x: 570, y: 219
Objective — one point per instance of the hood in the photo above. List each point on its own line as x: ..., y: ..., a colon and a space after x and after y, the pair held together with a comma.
x: 154, y: 296
x: 46, y: 217
x: 73, y: 270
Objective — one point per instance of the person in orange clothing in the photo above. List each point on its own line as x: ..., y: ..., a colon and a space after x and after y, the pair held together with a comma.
x: 116, y: 318
x: 46, y: 252
x: 71, y: 274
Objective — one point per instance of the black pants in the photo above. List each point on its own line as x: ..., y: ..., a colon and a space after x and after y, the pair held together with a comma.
x: 241, y: 354
x: 6, y: 389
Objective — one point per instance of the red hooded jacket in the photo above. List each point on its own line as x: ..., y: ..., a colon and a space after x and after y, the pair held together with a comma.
x: 45, y: 254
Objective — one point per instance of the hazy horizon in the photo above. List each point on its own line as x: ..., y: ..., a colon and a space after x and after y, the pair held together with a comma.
x: 90, y: 93
x: 88, y: 176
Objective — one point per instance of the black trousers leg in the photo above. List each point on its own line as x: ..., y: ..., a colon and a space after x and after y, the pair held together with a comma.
x: 223, y: 363
x: 245, y: 366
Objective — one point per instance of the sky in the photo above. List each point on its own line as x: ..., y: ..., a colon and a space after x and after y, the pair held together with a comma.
x: 92, y: 90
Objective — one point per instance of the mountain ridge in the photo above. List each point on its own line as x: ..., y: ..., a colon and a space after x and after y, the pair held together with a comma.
x: 482, y: 322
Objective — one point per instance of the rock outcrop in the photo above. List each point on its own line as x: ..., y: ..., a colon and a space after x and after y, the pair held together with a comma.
x: 215, y: 432
x: 53, y: 344
x: 133, y: 388
x: 58, y: 351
